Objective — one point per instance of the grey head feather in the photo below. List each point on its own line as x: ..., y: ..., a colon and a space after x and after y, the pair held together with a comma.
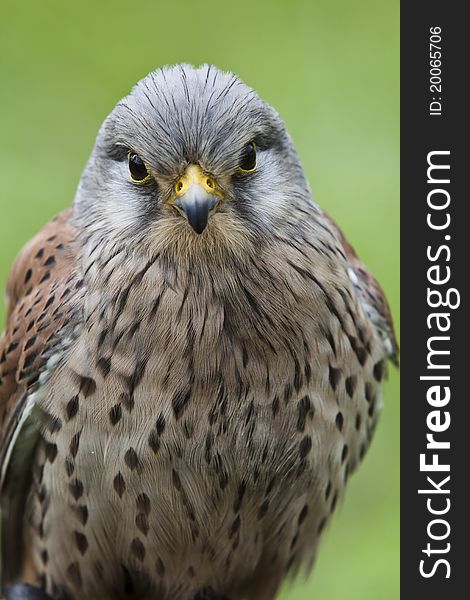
x: 181, y: 115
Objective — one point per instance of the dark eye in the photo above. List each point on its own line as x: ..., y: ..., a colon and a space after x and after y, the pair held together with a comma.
x: 248, y: 158
x: 137, y: 168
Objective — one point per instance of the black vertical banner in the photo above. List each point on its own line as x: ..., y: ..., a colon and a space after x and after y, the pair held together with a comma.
x: 435, y: 243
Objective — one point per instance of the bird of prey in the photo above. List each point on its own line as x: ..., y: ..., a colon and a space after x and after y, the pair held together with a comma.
x: 192, y: 362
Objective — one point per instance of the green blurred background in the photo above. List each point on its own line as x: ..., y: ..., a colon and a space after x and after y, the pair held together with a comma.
x: 330, y: 67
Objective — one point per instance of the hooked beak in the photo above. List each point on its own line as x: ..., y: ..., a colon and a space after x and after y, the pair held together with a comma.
x: 195, y: 196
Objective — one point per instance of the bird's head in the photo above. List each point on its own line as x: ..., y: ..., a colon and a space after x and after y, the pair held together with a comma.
x: 192, y: 156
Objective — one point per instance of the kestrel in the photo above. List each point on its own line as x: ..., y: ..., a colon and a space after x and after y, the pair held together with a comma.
x: 192, y: 362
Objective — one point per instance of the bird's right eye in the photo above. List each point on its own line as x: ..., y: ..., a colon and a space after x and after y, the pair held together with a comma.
x: 137, y: 168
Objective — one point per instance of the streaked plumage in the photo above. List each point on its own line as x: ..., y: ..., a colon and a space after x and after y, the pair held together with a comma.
x: 180, y: 412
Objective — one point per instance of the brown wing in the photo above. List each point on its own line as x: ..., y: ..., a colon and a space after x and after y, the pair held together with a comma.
x: 43, y: 294
x: 373, y: 298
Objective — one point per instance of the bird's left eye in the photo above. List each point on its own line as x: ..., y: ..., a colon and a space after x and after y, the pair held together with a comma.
x: 137, y: 168
x: 248, y: 158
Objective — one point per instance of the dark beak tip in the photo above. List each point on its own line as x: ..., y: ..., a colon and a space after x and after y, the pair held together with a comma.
x: 198, y: 220
x: 197, y: 210
x: 199, y: 228
x: 198, y: 216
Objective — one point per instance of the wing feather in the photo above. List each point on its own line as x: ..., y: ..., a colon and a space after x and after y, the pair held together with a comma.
x: 374, y: 302
x: 43, y: 293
